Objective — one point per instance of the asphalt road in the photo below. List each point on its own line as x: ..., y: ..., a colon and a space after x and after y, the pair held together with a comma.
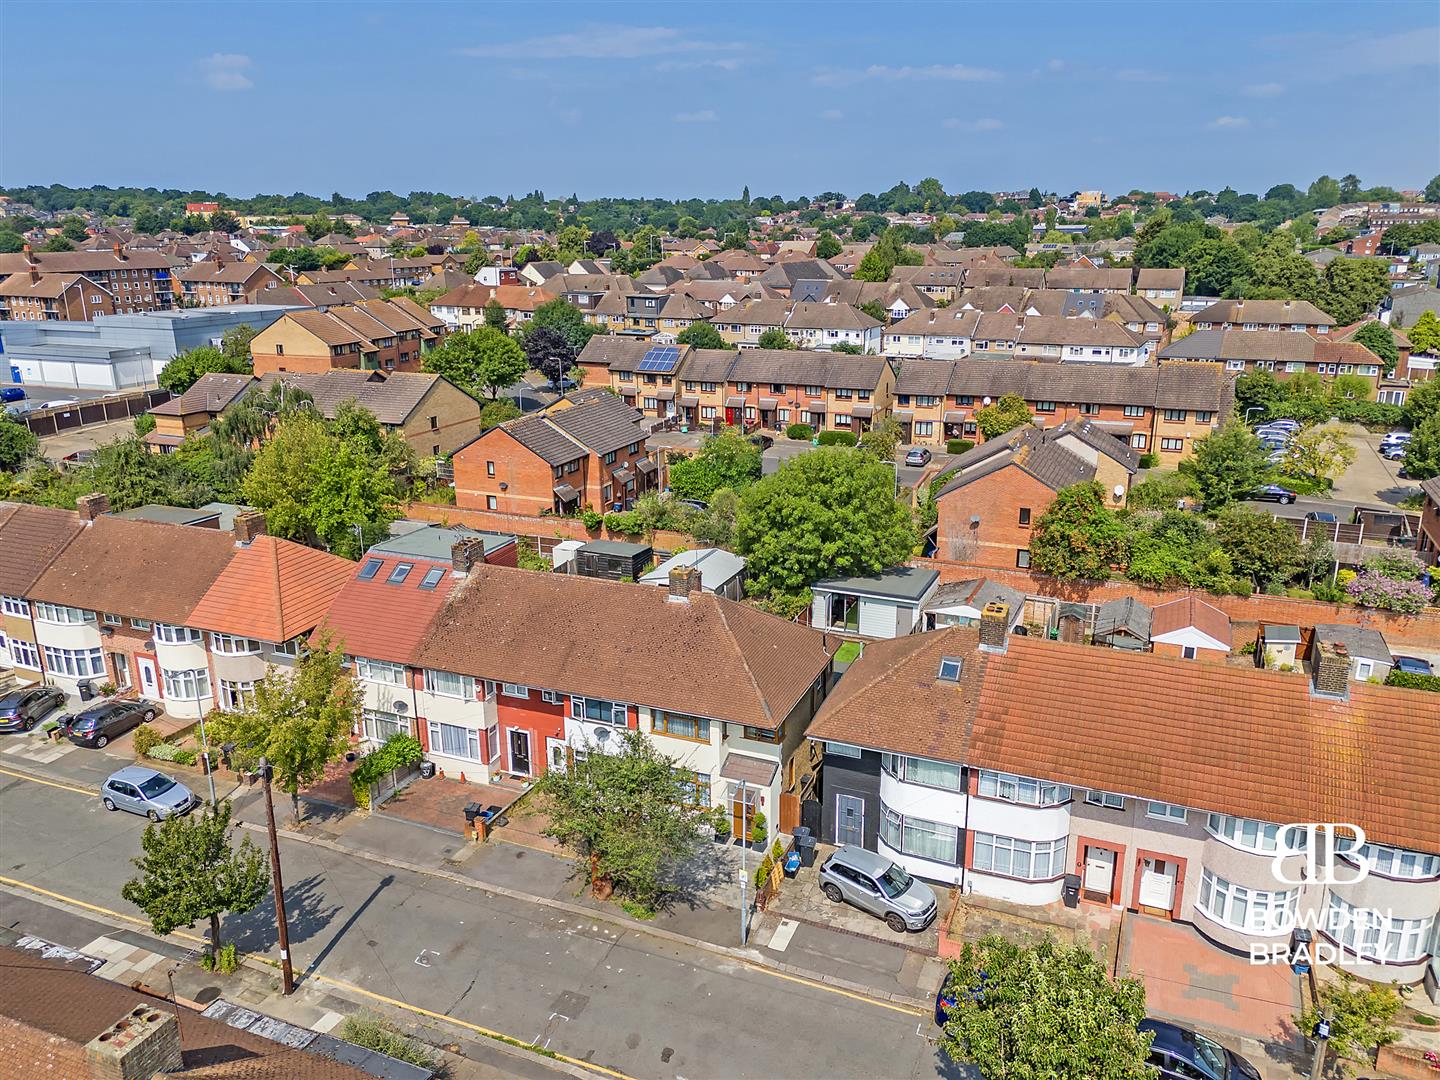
x: 597, y: 992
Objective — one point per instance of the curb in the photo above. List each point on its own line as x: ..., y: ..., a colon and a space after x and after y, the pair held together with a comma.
x: 750, y: 957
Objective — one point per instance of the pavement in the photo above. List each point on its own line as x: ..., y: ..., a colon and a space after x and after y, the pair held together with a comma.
x: 56, y: 447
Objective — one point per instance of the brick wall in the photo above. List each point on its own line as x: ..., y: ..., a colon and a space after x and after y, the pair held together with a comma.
x: 997, y: 500
x: 528, y: 479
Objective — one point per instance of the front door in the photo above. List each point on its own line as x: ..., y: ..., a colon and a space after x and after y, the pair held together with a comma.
x: 742, y: 809
x: 149, y: 677
x: 520, y: 752
x: 1099, y: 870
x: 1157, y: 883
x: 849, y: 820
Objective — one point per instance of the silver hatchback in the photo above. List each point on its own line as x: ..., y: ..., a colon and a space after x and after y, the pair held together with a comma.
x: 879, y: 886
x: 145, y: 791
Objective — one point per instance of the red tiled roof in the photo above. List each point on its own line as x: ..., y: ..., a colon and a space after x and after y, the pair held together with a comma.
x: 1190, y: 611
x: 30, y: 537
x: 381, y: 621
x: 272, y: 590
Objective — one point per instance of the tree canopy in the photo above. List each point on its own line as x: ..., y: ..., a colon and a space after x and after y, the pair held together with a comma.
x: 1006, y: 414
x: 726, y: 460
x: 702, y: 335
x: 1078, y: 536
x: 480, y: 361
x: 1227, y: 465
x: 775, y: 338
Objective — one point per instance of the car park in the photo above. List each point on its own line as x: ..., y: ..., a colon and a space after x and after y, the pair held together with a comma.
x: 1182, y: 1054
x: 879, y: 886
x: 918, y: 456
x: 1413, y: 665
x: 141, y: 790
x: 21, y: 710
x: 1273, y: 493
x: 1282, y: 425
x: 99, y: 724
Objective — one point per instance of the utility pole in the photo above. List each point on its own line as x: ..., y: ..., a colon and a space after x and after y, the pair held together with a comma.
x: 209, y: 761
x: 287, y: 973
x: 744, y: 844
x: 1321, y: 1036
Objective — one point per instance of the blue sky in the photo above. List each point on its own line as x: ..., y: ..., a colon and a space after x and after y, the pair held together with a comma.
x: 683, y: 99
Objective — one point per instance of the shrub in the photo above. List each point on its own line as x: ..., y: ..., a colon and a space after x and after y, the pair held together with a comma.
x: 385, y: 1038
x: 800, y: 432
x: 625, y: 521
x: 527, y: 557
x: 396, y: 752
x: 225, y: 963
x: 763, y: 872
x: 757, y: 827
x: 591, y: 518
x: 146, y: 739
x: 958, y: 446
x: 837, y: 438
x: 1305, y: 485
x: 1300, y: 594
x: 777, y: 851
x: 1149, y: 461
x: 164, y: 751
x: 1324, y: 590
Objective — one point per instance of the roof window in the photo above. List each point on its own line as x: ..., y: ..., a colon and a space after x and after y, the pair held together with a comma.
x: 432, y: 577
x: 401, y: 571
x: 950, y: 669
x: 369, y: 570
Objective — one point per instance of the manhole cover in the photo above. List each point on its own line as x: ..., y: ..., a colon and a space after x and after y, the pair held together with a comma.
x: 570, y: 1004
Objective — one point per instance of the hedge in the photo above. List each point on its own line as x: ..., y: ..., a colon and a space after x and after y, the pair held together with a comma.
x: 837, y: 438
x: 1149, y: 461
x: 1413, y: 681
x: 958, y: 446
x: 801, y: 432
x: 396, y: 752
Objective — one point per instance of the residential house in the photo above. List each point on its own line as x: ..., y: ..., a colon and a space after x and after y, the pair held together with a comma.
x: 138, y: 281
x: 1089, y: 279
x: 1001, y: 764
x: 1080, y: 341
x: 936, y: 334
x: 740, y: 264
x: 743, y: 324
x: 826, y: 325
x: 1190, y: 629
x: 36, y: 297
x: 321, y: 296
x: 939, y: 282
x: 662, y: 315
x: 782, y: 276
x: 898, y: 298
x: 192, y: 412
x: 1280, y: 352
x: 30, y: 539
x: 883, y: 605
x: 998, y: 490
x: 1138, y: 315
x: 982, y: 275
x: 1162, y: 287
x: 213, y: 284
x: 463, y: 308
x: 1296, y: 316
x: 774, y: 388
x: 590, y: 454
x: 641, y: 373
x: 371, y: 335
x: 538, y: 271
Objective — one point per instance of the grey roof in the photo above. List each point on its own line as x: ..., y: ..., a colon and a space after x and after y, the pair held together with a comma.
x: 1127, y: 614
x: 616, y: 547
x: 602, y: 423
x: 716, y: 565
x: 898, y: 583
x: 1359, y: 641
x: 1169, y: 386
x: 435, y: 541
x: 1282, y: 634
x: 227, y: 512
x: 390, y: 397
x: 977, y: 593
x: 169, y: 515
x: 1041, y: 454
x: 806, y: 367
x: 616, y: 352
x: 784, y: 275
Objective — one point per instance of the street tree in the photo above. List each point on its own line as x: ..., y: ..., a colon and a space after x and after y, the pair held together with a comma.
x: 1261, y: 547
x: 561, y: 315
x: 1361, y: 1016
x: 1007, y: 414
x: 1320, y: 453
x: 824, y: 512
x: 17, y: 443
x: 1227, y: 465
x: 479, y: 361
x: 184, y: 370
x: 1078, y: 536
x: 191, y: 869
x: 298, y: 719
x: 1044, y: 1010
x: 495, y: 315
x: 775, y: 338
x: 547, y: 351
x: 726, y: 460
x: 702, y: 335
x: 629, y: 816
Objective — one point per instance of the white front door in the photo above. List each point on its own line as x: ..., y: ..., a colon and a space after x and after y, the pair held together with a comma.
x: 149, y: 677
x: 1157, y: 883
x: 1099, y: 869
x: 555, y: 750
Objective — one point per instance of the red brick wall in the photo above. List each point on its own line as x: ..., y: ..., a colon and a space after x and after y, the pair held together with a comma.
x: 528, y: 478
x: 524, y: 525
x: 540, y: 719
x: 996, y: 499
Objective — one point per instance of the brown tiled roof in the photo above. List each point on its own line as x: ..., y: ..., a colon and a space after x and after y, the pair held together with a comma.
x: 708, y: 656
x: 30, y: 537
x: 140, y: 568
x: 941, y: 322
x: 1001, y: 274
x: 48, y: 287
x: 1264, y: 312
x: 1088, y: 278
x: 272, y: 590
x: 1160, y: 278
x: 1169, y: 386
x: 82, y: 262
x: 238, y: 273
x: 389, y: 396
x: 1050, y: 330
x: 212, y: 392
x: 325, y: 326
x: 1190, y: 611
x: 1236, y: 740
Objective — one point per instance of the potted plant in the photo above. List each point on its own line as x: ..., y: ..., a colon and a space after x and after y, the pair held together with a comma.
x: 720, y: 821
x: 758, y: 834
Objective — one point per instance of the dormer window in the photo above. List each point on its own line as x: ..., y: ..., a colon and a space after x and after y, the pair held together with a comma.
x: 950, y: 667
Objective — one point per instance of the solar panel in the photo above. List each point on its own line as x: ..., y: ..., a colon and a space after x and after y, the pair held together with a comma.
x: 660, y: 358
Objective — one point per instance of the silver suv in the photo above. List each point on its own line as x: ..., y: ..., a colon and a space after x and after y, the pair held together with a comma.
x: 879, y: 886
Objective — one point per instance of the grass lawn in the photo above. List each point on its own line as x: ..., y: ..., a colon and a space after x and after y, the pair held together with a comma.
x: 848, y: 653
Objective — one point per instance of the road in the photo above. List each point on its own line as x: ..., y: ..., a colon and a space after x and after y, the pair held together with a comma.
x: 597, y: 992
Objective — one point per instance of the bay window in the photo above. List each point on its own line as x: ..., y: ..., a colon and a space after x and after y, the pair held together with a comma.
x: 15, y: 605
x: 1030, y: 860
x: 914, y: 770
x: 190, y: 684
x: 229, y: 645
x: 931, y: 840
x: 60, y: 613
x: 235, y: 695
x: 76, y: 663
x: 1254, y: 911
x: 170, y: 634
x: 1249, y: 834
x: 449, y: 684
x: 24, y: 654
x: 1022, y: 789
x: 599, y: 711
x: 1395, y: 863
x: 1375, y: 935
x: 681, y: 726
x: 380, y: 671
x: 454, y: 741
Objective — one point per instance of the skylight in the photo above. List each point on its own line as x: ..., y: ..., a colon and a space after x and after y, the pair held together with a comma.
x: 369, y: 570
x: 432, y: 577
x: 950, y: 669
x: 400, y: 572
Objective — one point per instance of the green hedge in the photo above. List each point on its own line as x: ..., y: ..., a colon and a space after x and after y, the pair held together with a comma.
x: 1149, y: 461
x: 958, y: 446
x: 800, y: 432
x: 396, y: 752
x: 837, y: 438
x: 1412, y: 681
x: 625, y: 521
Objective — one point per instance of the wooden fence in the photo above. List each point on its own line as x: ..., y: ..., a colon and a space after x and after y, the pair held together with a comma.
x: 43, y: 422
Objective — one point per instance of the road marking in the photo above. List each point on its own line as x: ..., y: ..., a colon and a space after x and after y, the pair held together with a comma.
x: 893, y: 1006
x: 48, y: 783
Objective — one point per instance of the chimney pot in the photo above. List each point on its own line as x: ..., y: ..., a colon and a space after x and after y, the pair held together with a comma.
x: 465, y: 553
x: 995, y: 627
x: 142, y: 1044
x: 683, y: 581
x: 92, y: 506
x: 248, y: 525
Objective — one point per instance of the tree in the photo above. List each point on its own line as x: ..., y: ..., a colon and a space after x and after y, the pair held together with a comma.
x: 828, y: 245
x: 495, y: 317
x: 1044, y: 1010
x: 565, y: 317
x: 483, y: 360
x: 1350, y: 388
x: 1078, y: 536
x: 883, y: 438
x: 57, y: 243
x: 702, y: 335
x: 17, y: 443
x: 547, y: 351
x: 224, y: 221
x: 1261, y: 547
x: 235, y: 343
x: 726, y: 460
x: 1007, y: 414
x: 191, y: 869
x: 1321, y: 453
x: 1361, y: 1016
x: 1422, y: 455
x: 1380, y: 340
x: 72, y: 228
x: 628, y: 815
x: 1353, y: 288
x: 298, y: 719
x: 1349, y: 187
x: 1425, y: 334
x: 182, y: 372
x: 496, y: 412
x: 1432, y: 190
x: 11, y: 242
x: 776, y: 338
x: 1227, y: 465
x: 825, y: 512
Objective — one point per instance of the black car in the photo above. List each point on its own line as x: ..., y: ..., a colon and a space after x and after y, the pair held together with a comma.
x: 1274, y: 493
x: 21, y: 710
x: 1182, y: 1054
x: 97, y: 725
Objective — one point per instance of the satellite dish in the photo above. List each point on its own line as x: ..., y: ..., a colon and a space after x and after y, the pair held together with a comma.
x: 400, y: 707
x: 1119, y: 491
x: 601, y: 734
x: 985, y: 400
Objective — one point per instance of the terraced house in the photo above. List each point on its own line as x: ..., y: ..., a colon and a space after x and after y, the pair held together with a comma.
x: 372, y: 335
x: 1002, y: 764
x: 1283, y: 353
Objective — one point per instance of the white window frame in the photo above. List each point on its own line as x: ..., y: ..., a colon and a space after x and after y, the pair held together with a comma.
x: 901, y: 833
x: 230, y: 645
x: 379, y: 725
x: 1389, y: 862
x: 1053, y: 851
x: 1250, y: 911
x: 515, y: 690
x: 171, y: 634
x: 1022, y: 790
x: 186, y: 684
x: 1375, y: 935
x: 1107, y: 800
x: 235, y: 693
x: 909, y: 770
x: 450, y: 684
x: 1246, y: 834
x: 619, y: 711
x: 1165, y: 811
x: 62, y: 614
x: 552, y: 697
x: 379, y: 671
x: 25, y: 654
x: 472, y: 740
x: 15, y: 605
x: 74, y: 663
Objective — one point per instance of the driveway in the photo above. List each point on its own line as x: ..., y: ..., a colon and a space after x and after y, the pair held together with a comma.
x: 1371, y: 479
x: 56, y: 447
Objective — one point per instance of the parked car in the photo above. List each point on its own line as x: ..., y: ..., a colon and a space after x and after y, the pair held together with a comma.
x: 918, y: 456
x: 1275, y: 457
x: 1413, y: 665
x: 57, y: 403
x: 1394, y: 451
x: 145, y: 791
x: 21, y: 710
x: 1182, y: 1054
x: 97, y: 725
x: 12, y: 393
x: 1273, y: 493
x: 1283, y: 425
x: 1321, y: 517
x: 1284, y: 434
x: 764, y: 442
x: 879, y: 886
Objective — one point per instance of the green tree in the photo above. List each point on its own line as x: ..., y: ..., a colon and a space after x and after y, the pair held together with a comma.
x: 628, y: 816
x: 496, y: 412
x: 17, y: 443
x: 726, y: 460
x: 1006, y: 414
x: 847, y: 348
x: 1227, y: 465
x: 828, y: 245
x: 192, y: 869
x: 827, y: 511
x: 1422, y: 455
x: 1179, y: 549
x: 776, y: 338
x: 883, y: 438
x: 702, y: 335
x: 1044, y: 1010
x: 1425, y: 334
x: 495, y: 317
x: 1078, y: 536
x: 1353, y: 288
x: 1432, y: 190
x: 132, y: 476
x: 565, y: 317
x: 298, y: 719
x: 1351, y: 388
x: 479, y: 361
x: 1261, y: 547
x: 1320, y: 453
x: 72, y: 228
x: 11, y: 241
x: 1380, y: 340
x: 57, y: 243
x: 182, y: 372
x: 1361, y: 1015
x: 235, y: 343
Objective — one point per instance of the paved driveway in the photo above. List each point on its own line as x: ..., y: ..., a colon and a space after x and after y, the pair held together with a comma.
x: 1371, y: 479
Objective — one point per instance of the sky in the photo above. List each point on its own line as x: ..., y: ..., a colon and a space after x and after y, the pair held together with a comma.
x: 687, y: 99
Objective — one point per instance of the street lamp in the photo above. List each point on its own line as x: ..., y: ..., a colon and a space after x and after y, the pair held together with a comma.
x: 1252, y: 408
x: 287, y: 973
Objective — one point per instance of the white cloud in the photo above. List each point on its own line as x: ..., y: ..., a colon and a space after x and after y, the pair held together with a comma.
x: 604, y: 42
x: 832, y: 114
x: 1265, y: 89
x: 984, y: 123
x: 1055, y: 65
x: 1229, y: 123
x: 226, y: 71
x: 704, y: 116
x: 927, y: 73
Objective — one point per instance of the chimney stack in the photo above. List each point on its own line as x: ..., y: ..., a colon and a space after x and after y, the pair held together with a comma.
x: 684, y: 580
x: 92, y: 506
x: 119, y: 251
x: 465, y: 553
x: 1330, y: 670
x: 247, y: 526
x: 141, y: 1045
x: 995, y: 627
